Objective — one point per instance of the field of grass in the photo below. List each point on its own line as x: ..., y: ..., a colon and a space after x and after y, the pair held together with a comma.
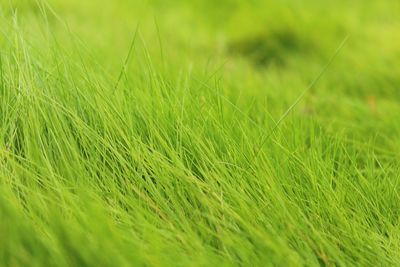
x: 199, y: 133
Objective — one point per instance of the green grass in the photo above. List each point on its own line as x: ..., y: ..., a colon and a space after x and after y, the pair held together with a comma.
x: 182, y: 133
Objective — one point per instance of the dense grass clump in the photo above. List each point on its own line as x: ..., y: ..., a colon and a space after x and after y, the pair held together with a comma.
x: 141, y: 133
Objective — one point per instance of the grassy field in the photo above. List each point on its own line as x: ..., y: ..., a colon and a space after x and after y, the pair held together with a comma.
x: 199, y: 133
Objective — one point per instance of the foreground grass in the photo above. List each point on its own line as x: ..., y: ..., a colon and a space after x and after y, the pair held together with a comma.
x: 165, y: 150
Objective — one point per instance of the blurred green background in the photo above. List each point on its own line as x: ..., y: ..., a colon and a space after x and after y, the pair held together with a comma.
x: 262, y: 49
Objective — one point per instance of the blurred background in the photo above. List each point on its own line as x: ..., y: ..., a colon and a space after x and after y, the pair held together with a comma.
x: 264, y: 53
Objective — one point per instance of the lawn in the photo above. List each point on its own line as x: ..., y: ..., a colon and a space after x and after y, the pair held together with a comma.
x: 199, y: 133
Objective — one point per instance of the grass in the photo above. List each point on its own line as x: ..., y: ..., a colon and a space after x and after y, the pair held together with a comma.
x: 153, y: 133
